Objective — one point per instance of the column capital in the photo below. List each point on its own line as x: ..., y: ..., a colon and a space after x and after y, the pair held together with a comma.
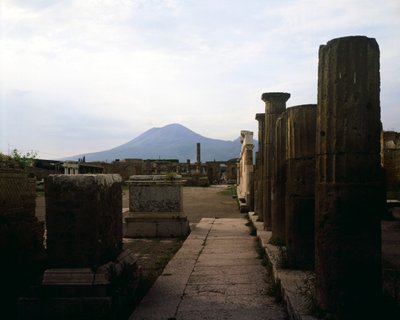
x: 275, y: 97
x: 260, y: 116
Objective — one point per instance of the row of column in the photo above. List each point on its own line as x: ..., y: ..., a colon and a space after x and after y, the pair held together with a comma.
x: 319, y: 179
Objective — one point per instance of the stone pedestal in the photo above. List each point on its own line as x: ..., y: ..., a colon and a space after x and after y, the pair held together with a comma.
x: 155, y: 207
x: 349, y: 189
x: 275, y: 105
x: 21, y: 238
x: 84, y: 219
x: 300, y: 185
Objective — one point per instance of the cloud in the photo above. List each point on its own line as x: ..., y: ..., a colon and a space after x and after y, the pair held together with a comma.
x: 105, y: 71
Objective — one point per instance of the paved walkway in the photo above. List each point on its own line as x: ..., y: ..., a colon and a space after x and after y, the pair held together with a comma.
x: 216, y: 274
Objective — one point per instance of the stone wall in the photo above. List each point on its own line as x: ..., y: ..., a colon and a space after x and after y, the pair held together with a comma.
x: 21, y: 238
x: 84, y: 219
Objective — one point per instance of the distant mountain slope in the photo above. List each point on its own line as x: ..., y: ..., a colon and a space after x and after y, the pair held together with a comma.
x: 173, y: 141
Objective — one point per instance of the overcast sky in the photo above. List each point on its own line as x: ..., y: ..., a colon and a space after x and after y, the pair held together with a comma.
x: 82, y: 76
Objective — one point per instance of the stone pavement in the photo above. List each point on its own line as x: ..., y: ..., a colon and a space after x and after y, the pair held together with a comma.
x: 217, y: 274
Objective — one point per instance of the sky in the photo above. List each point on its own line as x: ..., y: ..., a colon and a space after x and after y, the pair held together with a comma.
x: 84, y: 76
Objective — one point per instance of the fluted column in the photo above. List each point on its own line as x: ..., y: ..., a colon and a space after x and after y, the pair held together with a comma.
x: 348, y: 177
x: 260, y: 117
x: 275, y: 105
x: 279, y: 183
x: 300, y: 185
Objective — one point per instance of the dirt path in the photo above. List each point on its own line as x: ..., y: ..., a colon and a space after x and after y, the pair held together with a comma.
x: 198, y: 202
x: 212, y: 202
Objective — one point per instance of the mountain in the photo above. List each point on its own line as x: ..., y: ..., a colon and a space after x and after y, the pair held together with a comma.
x: 173, y: 141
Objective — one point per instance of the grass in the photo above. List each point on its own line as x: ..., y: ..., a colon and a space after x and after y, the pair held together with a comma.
x: 228, y: 191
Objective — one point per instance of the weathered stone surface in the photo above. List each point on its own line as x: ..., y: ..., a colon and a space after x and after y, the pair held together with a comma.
x: 155, y: 208
x: 17, y: 192
x: 84, y: 219
x: 391, y: 162
x: 300, y: 185
x: 275, y: 105
x: 349, y: 189
x: 245, y: 188
x: 213, y: 285
x: 155, y: 194
x: 278, y: 183
x: 260, y: 117
x: 155, y: 225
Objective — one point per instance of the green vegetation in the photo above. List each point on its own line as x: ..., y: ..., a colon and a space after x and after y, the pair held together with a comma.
x: 307, y: 290
x: 17, y: 159
x: 228, y: 191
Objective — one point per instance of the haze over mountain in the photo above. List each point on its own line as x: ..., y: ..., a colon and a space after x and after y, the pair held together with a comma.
x: 173, y: 141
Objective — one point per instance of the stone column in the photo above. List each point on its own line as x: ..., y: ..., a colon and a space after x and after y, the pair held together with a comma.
x: 300, y: 185
x: 198, y: 153
x: 275, y: 105
x: 244, y: 187
x: 83, y: 219
x: 260, y: 117
x: 348, y: 177
x: 279, y: 183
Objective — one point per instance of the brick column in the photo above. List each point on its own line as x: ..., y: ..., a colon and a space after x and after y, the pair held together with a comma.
x: 349, y: 192
x: 300, y: 185
x: 275, y: 105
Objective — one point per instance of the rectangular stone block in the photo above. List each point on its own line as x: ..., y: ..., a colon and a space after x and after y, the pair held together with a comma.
x: 147, y: 194
x: 156, y: 225
x: 84, y: 219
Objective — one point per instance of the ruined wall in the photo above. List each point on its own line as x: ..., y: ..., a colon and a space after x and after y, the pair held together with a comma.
x: 21, y: 237
x: 84, y: 219
x: 392, y: 163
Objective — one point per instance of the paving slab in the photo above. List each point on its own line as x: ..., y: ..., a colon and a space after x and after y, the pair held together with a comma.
x: 217, y: 274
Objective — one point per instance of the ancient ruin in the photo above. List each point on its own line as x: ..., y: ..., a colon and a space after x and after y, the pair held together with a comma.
x: 279, y: 183
x: 349, y: 190
x: 300, y: 186
x: 259, y: 168
x: 245, y: 188
x: 391, y: 163
x: 275, y: 105
x: 315, y: 196
x: 155, y: 207
x: 21, y: 237
x: 83, y: 218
